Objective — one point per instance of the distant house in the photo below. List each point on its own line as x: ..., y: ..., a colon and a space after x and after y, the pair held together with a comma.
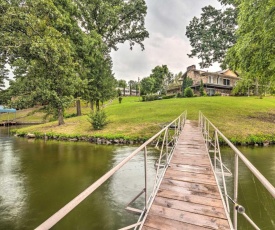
x: 221, y: 82
x: 127, y: 91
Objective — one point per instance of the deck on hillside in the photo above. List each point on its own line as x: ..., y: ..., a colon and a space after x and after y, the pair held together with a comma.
x: 188, y: 197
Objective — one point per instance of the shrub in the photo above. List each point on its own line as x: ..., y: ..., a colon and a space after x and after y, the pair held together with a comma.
x: 179, y: 95
x: 202, y: 93
x: 70, y: 115
x: 119, y: 99
x: 151, y: 97
x: 98, y: 119
x: 169, y: 96
x: 188, y: 92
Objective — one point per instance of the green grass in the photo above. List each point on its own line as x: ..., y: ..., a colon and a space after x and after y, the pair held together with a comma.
x: 242, y: 119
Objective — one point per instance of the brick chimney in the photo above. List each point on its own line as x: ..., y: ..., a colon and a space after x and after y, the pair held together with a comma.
x: 192, y: 67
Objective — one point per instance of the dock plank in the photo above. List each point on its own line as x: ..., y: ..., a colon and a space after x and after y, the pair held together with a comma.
x: 191, y: 207
x: 162, y: 223
x: 189, y: 218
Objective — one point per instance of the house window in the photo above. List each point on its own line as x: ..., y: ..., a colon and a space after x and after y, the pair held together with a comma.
x: 226, y: 81
x: 210, y: 79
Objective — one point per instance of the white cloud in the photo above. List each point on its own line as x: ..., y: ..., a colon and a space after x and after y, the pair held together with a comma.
x: 166, y: 23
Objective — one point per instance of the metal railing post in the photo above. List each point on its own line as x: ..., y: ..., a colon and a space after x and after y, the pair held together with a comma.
x: 236, y: 180
x: 166, y: 143
x: 215, y: 151
x: 145, y: 178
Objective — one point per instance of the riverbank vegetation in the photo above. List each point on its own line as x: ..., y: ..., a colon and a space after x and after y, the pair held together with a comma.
x: 247, y: 120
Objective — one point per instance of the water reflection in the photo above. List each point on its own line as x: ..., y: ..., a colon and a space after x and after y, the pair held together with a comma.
x: 259, y: 204
x: 13, y: 195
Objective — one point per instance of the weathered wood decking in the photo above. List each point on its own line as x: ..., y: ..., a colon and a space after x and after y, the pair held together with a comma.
x: 188, y: 197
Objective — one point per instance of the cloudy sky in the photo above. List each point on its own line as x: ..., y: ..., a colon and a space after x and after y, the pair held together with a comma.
x: 166, y: 23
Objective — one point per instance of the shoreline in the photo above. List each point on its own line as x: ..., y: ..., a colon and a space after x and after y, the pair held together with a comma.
x: 255, y: 140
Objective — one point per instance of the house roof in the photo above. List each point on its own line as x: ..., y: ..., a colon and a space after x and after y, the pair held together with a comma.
x: 7, y: 110
x: 219, y: 73
x: 205, y: 73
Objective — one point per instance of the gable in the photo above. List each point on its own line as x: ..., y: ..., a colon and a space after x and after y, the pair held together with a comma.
x: 230, y: 73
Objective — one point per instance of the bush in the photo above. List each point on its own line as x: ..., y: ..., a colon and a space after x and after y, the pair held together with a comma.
x: 188, y: 92
x: 179, y: 95
x: 98, y: 119
x: 156, y: 97
x: 169, y: 96
x: 119, y: 99
x: 151, y: 97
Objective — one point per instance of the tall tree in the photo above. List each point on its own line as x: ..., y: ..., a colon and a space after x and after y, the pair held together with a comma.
x: 116, y: 21
x: 162, y: 78
x: 147, y: 85
x: 122, y: 84
x: 213, y: 33
x: 38, y: 39
x: 3, y: 74
x: 254, y: 50
x: 131, y: 85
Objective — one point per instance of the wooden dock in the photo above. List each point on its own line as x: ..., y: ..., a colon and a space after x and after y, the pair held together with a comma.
x: 188, y: 197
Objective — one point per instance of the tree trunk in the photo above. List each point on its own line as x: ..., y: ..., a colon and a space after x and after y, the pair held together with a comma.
x: 78, y: 108
x: 256, y: 87
x: 130, y: 90
x: 60, y: 117
x: 97, y: 105
x: 92, y: 105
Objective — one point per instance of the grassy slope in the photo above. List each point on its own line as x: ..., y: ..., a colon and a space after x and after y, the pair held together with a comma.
x: 237, y: 117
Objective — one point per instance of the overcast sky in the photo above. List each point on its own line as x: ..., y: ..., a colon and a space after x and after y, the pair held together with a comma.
x: 167, y: 44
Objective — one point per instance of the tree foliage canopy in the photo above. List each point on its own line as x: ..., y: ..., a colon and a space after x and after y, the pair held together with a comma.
x: 59, y: 49
x: 213, y: 33
x: 158, y: 80
x: 116, y: 21
x: 254, y: 50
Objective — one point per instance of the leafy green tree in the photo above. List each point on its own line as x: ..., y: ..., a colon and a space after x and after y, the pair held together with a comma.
x: 147, y: 85
x: 131, y: 85
x: 187, y: 82
x: 162, y: 78
x: 122, y: 84
x: 5, y: 97
x: 254, y: 50
x: 38, y: 39
x: 117, y: 21
x: 188, y: 92
x: 3, y: 74
x: 202, y: 93
x: 101, y: 83
x: 213, y: 33
x: 243, y: 87
x: 61, y: 46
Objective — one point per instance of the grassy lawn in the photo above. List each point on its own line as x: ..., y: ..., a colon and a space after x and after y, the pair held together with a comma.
x: 239, y: 118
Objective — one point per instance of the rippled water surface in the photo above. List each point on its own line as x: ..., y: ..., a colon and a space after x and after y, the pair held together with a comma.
x: 37, y: 178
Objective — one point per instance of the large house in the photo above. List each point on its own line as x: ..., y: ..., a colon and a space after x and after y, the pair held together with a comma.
x: 221, y: 82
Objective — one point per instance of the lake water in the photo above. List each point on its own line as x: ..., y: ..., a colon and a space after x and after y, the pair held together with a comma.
x: 37, y: 178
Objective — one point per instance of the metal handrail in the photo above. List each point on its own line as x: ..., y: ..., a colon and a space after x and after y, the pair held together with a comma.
x: 51, y: 221
x: 204, y: 124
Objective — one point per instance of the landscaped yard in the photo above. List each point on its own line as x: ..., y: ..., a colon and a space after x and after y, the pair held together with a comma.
x: 239, y: 118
